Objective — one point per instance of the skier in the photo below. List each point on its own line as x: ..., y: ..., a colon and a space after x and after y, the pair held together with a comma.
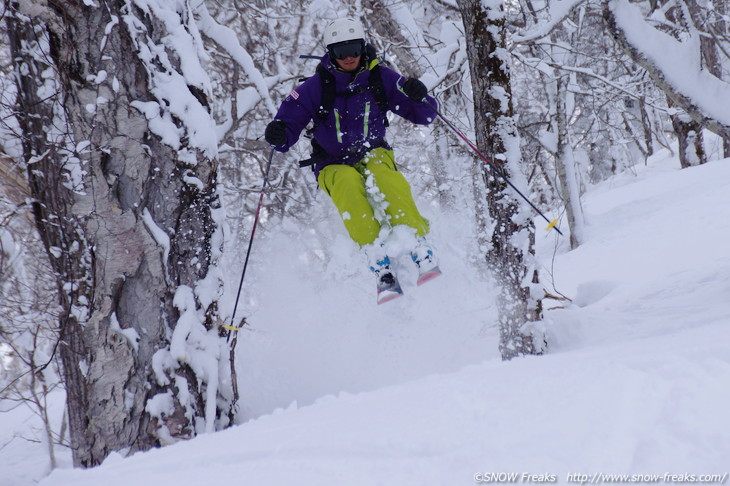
x: 347, y: 100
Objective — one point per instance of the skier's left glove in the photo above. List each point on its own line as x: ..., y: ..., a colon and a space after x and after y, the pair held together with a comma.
x: 415, y: 89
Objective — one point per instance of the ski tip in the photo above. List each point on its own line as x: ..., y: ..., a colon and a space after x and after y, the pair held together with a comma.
x: 383, y: 298
x: 428, y: 276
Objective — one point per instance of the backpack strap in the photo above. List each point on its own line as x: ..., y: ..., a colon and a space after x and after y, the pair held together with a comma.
x: 328, y: 96
x: 318, y: 154
x: 377, y: 88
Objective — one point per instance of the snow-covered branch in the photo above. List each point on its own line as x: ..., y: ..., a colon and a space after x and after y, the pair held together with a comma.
x: 538, y: 63
x: 555, y: 15
x: 703, y: 96
x: 228, y: 40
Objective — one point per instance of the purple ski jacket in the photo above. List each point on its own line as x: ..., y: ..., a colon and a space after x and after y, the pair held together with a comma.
x: 355, y: 124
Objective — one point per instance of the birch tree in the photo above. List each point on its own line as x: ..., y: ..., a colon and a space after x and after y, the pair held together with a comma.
x: 511, y: 253
x: 121, y: 156
x: 559, y: 85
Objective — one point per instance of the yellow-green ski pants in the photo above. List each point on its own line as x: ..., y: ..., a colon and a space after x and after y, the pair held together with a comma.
x: 346, y: 186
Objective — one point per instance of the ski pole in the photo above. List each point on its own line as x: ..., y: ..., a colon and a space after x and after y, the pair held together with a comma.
x: 551, y: 224
x: 231, y: 327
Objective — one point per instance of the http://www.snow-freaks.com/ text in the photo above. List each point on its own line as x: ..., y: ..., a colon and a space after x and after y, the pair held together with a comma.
x: 599, y: 478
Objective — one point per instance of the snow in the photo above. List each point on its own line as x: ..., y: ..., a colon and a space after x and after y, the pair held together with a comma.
x: 197, y: 347
x: 158, y: 234
x: 338, y: 390
x: 23, y: 456
x: 130, y: 334
x: 169, y: 85
x: 160, y: 404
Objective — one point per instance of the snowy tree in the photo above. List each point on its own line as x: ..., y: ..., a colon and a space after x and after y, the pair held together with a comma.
x: 113, y: 103
x: 511, y: 245
x: 138, y: 117
x: 655, y: 34
x: 585, y: 111
x: 552, y: 54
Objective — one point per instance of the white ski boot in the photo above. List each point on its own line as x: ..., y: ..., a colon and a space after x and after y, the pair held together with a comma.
x: 427, y: 264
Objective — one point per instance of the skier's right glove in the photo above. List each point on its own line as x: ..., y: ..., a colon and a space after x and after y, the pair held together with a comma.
x: 275, y: 133
x: 415, y: 89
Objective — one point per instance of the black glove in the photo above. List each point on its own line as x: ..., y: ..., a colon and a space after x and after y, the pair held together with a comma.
x: 415, y: 89
x: 275, y: 133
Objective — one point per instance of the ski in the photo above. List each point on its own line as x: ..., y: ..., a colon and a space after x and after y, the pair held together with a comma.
x: 388, y: 288
x: 428, y: 275
x: 426, y: 262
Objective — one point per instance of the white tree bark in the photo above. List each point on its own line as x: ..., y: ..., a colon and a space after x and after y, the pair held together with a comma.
x: 565, y: 165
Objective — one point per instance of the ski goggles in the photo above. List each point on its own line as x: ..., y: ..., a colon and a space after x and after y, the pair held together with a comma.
x: 343, y: 50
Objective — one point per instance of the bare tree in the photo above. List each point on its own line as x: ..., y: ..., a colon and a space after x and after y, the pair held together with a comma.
x: 27, y: 308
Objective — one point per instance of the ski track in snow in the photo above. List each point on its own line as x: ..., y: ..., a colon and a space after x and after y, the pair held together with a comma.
x: 339, y: 390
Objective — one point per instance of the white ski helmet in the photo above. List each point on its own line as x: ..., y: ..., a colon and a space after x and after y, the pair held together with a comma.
x: 342, y: 30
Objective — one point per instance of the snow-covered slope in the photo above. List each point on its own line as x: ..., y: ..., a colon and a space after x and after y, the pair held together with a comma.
x: 645, y: 407
x: 413, y: 392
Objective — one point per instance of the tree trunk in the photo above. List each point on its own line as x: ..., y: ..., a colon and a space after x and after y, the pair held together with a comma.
x: 556, y: 83
x: 443, y: 172
x: 719, y: 27
x: 709, y: 44
x: 646, y: 126
x: 565, y: 165
x: 510, y: 257
x: 690, y: 139
x: 127, y: 219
